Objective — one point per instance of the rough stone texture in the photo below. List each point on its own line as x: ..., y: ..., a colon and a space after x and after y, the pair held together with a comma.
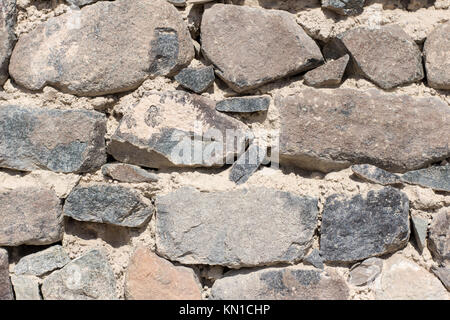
x: 437, y: 57
x: 89, y: 277
x: 26, y: 287
x: 315, y: 259
x: 258, y: 226
x: 244, y: 104
x: 51, y: 139
x: 419, y: 227
x: 247, y: 163
x: 443, y: 273
x: 365, y: 272
x: 128, y: 173
x: 42, y: 262
x: 387, y: 56
x: 291, y: 283
x: 361, y: 227
x: 107, y: 47
x: 439, y: 237
x: 5, y: 283
x: 330, y: 130
x: 328, y: 75
x: 112, y: 204
x: 344, y: 7
x: 166, y: 130
x: 197, y: 80
x: 245, y: 44
x: 7, y: 36
x: 80, y: 3
x: 436, y: 178
x: 30, y: 215
x: 150, y: 277
x: 375, y: 175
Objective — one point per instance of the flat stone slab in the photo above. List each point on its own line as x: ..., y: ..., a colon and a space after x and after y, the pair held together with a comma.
x: 436, y: 52
x: 197, y: 80
x: 344, y: 7
x: 376, y: 175
x: 328, y: 130
x: 419, y: 227
x: 128, y: 173
x: 439, y: 236
x: 26, y: 287
x: 42, y: 262
x: 436, y: 178
x: 244, y: 104
x: 248, y: 227
x: 365, y: 272
x: 360, y: 227
x: 328, y: 75
x: 247, y: 164
x: 51, y: 139
x: 5, y: 283
x: 246, y: 45
x: 8, y: 16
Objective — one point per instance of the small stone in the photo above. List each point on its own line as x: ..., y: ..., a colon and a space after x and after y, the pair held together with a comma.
x: 344, y: 7
x: 419, y: 227
x: 436, y: 178
x: 197, y: 80
x: 178, y: 3
x: 365, y: 272
x: 439, y: 238
x: 80, y: 3
x: 150, y: 277
x: 244, y: 104
x: 42, y: 262
x: 247, y: 164
x: 89, y: 277
x: 5, y: 283
x: 375, y: 174
x: 437, y: 57
x: 315, y: 259
x: 8, y: 17
x: 290, y: 283
x: 26, y: 287
x: 360, y: 227
x: 443, y: 273
x: 112, y: 204
x: 128, y: 173
x: 328, y: 75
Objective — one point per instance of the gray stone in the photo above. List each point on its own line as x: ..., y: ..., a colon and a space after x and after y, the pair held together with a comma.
x: 244, y: 104
x: 439, y: 237
x: 361, y: 227
x: 443, y: 273
x: 247, y: 164
x: 50, y: 139
x: 107, y: 47
x: 26, y: 287
x: 128, y: 173
x: 42, y: 262
x: 7, y: 35
x: 30, y: 215
x: 245, y: 227
x: 344, y: 7
x: 326, y: 130
x: 419, y: 227
x: 437, y: 57
x: 328, y: 75
x: 291, y: 283
x: 315, y: 259
x: 365, y: 272
x: 80, y: 3
x: 89, y: 277
x: 112, y: 204
x: 197, y: 80
x: 178, y: 3
x: 5, y: 283
x: 375, y: 175
x: 436, y: 178
x: 253, y: 46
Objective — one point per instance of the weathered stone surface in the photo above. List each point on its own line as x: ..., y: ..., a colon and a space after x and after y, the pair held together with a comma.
x: 439, y: 238
x: 315, y: 259
x: 128, y: 173
x: 325, y: 131
x: 437, y: 57
x: 365, y: 272
x: 26, y: 287
x: 150, y: 277
x: 344, y: 7
x: 112, y: 204
x: 50, y: 139
x: 166, y: 130
x: 197, y: 80
x: 106, y: 47
x: 253, y: 227
x: 244, y: 104
x: 245, y: 44
x: 443, y: 273
x: 89, y: 277
x: 7, y: 35
x: 5, y: 283
x: 419, y: 227
x: 375, y: 175
x: 361, y: 227
x: 402, y: 279
x: 42, y: 262
x: 291, y: 283
x: 436, y: 178
x: 328, y: 75
x: 387, y: 56
x: 80, y: 3
x: 178, y: 3
x: 247, y: 163
x: 30, y: 215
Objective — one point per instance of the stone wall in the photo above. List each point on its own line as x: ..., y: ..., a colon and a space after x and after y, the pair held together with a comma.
x: 247, y: 149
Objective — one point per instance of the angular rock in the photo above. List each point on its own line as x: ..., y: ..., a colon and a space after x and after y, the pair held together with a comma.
x: 246, y: 45
x: 178, y: 3
x: 7, y: 35
x: 176, y: 129
x: 361, y: 227
x: 197, y: 80
x: 244, y: 104
x: 328, y: 75
x: 330, y: 130
x: 104, y: 48
x: 437, y: 57
x: 26, y: 287
x: 56, y: 140
x: 30, y: 215
x: 291, y: 283
x: 419, y: 227
x: 344, y: 7
x: 150, y: 277
x: 128, y: 173
x: 247, y: 164
x: 315, y: 259
x: 375, y: 175
x: 387, y: 56
x: 80, y: 3
x: 253, y: 227
x: 89, y: 277
x: 443, y: 273
x: 112, y: 204
x: 5, y: 283
x: 439, y: 237
x: 42, y: 262
x: 365, y: 272
x: 436, y: 178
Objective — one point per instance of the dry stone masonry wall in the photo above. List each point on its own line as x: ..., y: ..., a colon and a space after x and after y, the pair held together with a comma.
x: 235, y: 149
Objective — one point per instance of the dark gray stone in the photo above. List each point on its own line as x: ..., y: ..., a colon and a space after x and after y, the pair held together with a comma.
x: 436, y: 178
x: 128, y: 173
x: 375, y: 174
x: 178, y: 3
x: 443, y: 273
x: 344, y: 7
x: 247, y: 163
x: 315, y: 259
x: 439, y: 237
x: 80, y: 3
x: 365, y: 272
x: 420, y: 227
x: 42, y: 262
x: 7, y: 35
x: 244, y: 104
x: 5, y: 283
x: 362, y: 227
x: 197, y: 80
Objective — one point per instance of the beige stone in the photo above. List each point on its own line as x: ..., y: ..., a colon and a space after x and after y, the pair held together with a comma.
x: 437, y: 57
